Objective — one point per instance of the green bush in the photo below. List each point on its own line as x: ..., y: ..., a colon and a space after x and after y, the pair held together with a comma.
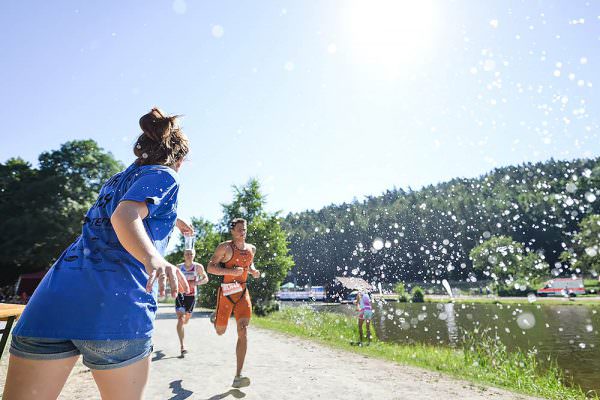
x: 418, y: 295
x: 264, y: 308
x: 399, y: 289
x: 510, y: 291
x: 403, y: 298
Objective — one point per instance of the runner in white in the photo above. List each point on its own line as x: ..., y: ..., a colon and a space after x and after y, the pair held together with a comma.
x: 184, y: 303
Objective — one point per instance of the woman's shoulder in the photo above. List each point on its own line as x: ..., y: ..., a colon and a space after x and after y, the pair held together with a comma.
x: 160, y: 174
x: 157, y: 169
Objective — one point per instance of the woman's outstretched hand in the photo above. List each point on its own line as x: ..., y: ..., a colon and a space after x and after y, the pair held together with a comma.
x: 161, y: 270
x: 185, y: 228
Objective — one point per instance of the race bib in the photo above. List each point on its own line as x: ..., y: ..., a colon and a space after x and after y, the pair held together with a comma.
x: 231, y: 288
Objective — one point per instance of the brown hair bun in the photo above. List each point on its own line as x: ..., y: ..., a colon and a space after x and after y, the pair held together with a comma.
x: 162, y: 141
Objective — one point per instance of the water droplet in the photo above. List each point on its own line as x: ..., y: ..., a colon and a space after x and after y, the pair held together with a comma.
x: 378, y: 244
x: 590, y: 197
x: 289, y: 66
x: 217, y: 31
x: 526, y: 321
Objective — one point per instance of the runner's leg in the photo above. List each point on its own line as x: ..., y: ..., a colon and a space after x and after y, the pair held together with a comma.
x: 242, y: 344
x: 222, y: 313
x: 243, y: 313
x: 180, y: 331
x: 360, y: 329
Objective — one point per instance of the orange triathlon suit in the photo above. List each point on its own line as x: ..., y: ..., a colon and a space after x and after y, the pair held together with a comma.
x: 239, y: 302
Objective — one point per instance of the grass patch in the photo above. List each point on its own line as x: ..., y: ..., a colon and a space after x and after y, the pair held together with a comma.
x: 483, y: 360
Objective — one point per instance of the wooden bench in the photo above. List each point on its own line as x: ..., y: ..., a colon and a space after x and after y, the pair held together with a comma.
x: 8, y: 313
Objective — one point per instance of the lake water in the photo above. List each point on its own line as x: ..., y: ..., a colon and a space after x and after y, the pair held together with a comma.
x: 567, y: 333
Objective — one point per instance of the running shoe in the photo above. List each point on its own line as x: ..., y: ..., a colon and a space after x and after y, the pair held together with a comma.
x: 240, y: 382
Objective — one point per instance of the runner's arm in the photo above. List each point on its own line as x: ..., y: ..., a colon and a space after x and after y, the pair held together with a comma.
x: 253, y: 271
x: 217, y: 258
x: 203, y: 276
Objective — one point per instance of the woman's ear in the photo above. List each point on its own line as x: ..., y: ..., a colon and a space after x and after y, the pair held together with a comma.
x: 178, y: 165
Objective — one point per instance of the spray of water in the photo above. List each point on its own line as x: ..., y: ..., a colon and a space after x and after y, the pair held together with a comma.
x: 447, y: 287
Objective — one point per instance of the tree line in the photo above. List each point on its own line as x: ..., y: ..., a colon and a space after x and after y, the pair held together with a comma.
x: 544, y: 213
x: 43, y: 209
x: 511, y: 225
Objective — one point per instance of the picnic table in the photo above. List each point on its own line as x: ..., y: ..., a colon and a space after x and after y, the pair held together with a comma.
x: 8, y: 313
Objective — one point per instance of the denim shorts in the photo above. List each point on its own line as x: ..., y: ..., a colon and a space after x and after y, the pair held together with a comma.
x: 97, y: 354
x: 366, y: 314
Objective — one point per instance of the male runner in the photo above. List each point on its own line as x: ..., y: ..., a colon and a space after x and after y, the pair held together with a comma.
x: 234, y: 260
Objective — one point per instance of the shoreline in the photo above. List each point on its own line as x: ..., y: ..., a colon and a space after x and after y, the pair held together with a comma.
x: 280, y: 366
x: 529, y: 379
x: 572, y: 301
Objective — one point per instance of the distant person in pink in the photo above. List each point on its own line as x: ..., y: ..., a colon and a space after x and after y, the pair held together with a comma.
x: 365, y: 313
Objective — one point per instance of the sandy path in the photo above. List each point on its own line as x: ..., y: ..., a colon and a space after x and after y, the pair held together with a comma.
x: 280, y: 367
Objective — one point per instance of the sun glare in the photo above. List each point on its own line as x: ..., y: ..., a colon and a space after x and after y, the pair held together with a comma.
x: 390, y: 33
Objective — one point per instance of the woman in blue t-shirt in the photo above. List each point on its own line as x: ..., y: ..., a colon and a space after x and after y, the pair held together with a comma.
x: 99, y: 299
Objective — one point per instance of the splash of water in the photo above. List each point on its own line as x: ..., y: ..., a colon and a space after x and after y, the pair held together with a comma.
x: 447, y: 287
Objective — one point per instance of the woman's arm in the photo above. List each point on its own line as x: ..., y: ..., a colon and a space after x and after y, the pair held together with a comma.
x: 127, y: 221
x: 185, y: 228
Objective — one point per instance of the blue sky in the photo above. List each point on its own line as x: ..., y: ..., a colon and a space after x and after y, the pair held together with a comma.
x: 323, y: 101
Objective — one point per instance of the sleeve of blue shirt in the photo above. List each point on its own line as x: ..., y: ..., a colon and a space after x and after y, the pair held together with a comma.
x: 152, y: 187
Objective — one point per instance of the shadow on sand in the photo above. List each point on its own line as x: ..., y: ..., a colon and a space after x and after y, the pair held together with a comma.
x: 179, y: 392
x: 236, y: 393
x: 160, y: 355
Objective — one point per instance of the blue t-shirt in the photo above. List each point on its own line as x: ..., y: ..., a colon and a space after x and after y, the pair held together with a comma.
x: 96, y: 290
